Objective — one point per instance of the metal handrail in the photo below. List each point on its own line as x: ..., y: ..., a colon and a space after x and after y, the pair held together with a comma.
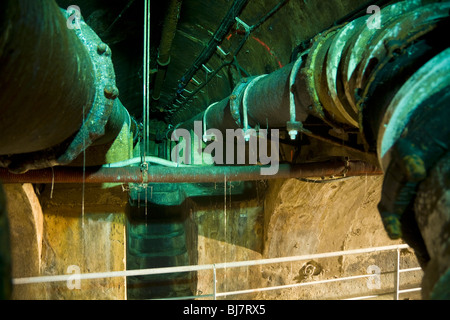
x: 223, y: 265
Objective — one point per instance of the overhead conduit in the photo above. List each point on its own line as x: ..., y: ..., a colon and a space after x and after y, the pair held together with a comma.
x: 225, y: 25
x: 168, y: 33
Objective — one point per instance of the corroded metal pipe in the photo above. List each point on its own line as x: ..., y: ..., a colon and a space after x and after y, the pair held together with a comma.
x: 267, y: 101
x: 159, y: 174
x: 168, y: 33
x: 46, y: 77
x: 57, y: 87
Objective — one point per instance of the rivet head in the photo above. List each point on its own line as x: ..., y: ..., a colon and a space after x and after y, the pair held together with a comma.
x: 102, y: 48
x: 111, y: 92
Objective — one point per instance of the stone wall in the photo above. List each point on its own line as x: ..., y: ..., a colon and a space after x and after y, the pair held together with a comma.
x: 50, y: 235
x: 290, y: 217
x: 298, y: 218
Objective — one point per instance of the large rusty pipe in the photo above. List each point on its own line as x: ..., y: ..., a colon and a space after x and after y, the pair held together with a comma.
x: 267, y: 101
x: 57, y: 87
x: 46, y: 77
x: 159, y: 174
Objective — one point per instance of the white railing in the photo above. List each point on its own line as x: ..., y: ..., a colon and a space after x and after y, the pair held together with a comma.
x: 214, y: 267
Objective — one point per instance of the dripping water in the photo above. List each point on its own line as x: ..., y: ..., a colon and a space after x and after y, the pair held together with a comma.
x: 225, y: 228
x: 83, y: 235
x: 146, y: 220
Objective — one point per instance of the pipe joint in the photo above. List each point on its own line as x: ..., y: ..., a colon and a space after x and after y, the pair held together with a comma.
x: 95, y: 121
x: 96, y: 107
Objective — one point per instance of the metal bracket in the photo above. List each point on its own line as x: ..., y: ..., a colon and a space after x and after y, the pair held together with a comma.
x: 206, y: 69
x: 195, y: 81
x: 235, y: 99
x: 207, y: 137
x: 223, y: 53
x: 293, y: 126
x: 245, y: 107
x: 163, y: 64
x: 247, y: 28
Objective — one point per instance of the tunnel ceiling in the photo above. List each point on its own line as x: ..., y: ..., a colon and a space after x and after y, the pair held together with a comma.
x: 269, y: 47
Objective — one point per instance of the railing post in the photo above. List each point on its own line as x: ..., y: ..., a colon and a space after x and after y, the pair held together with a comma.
x: 397, y: 275
x: 214, y: 282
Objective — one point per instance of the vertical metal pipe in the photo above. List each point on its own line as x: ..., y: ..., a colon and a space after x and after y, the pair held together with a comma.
x: 146, y: 79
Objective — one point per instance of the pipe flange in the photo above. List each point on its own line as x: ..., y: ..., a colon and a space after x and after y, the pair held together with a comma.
x: 106, y: 92
x: 94, y: 121
x: 430, y: 79
x: 309, y: 73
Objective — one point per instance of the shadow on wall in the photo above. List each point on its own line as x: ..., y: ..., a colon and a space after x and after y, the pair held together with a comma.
x: 5, y: 250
